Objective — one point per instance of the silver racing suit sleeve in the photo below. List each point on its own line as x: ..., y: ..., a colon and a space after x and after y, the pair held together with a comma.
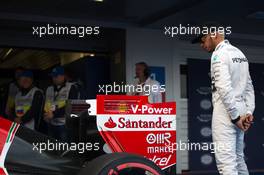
x: 249, y: 96
x: 220, y: 70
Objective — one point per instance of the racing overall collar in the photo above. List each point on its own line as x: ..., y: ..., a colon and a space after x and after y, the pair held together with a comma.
x: 221, y: 44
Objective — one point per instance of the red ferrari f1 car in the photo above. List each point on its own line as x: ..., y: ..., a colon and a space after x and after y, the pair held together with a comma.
x: 117, y: 135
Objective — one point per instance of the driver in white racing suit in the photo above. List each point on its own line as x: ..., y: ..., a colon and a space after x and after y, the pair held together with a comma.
x: 233, y: 101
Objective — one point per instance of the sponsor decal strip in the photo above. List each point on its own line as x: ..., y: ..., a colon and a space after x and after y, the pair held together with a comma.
x: 116, y: 122
x: 14, y: 132
x: 10, y: 132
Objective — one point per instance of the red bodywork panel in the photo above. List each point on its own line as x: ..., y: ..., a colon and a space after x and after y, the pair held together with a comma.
x: 131, y: 124
x: 5, y: 126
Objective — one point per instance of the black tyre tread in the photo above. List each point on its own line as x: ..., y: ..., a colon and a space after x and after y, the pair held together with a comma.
x: 96, y: 166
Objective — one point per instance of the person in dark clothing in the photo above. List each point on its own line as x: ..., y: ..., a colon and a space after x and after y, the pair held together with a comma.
x: 29, y: 102
x: 71, y: 77
x: 13, y: 89
x: 56, y: 97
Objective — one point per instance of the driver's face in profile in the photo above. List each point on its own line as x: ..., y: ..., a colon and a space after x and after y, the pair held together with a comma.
x: 207, y: 43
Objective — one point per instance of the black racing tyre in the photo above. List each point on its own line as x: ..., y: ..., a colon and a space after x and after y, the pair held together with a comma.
x: 121, y: 164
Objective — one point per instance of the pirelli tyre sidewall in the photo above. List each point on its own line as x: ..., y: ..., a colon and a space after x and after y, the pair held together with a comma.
x: 103, y: 165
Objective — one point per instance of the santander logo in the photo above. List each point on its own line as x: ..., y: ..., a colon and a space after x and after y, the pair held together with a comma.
x: 110, y: 123
x: 123, y: 122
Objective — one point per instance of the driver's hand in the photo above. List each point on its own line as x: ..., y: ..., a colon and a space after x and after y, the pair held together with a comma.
x: 249, y: 118
x: 243, y: 124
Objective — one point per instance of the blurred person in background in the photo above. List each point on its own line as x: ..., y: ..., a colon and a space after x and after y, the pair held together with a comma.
x: 56, y: 98
x: 142, y: 79
x: 13, y: 89
x: 29, y: 101
x: 71, y: 77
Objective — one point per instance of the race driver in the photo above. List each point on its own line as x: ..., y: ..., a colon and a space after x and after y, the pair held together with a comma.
x: 233, y: 101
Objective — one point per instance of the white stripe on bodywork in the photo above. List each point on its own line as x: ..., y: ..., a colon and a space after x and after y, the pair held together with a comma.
x: 5, y: 171
x: 4, y: 153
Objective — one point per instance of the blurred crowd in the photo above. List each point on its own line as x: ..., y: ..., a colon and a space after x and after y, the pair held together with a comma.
x: 44, y: 110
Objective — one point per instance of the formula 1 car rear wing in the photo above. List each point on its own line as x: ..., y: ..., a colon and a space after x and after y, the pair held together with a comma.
x: 131, y: 124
